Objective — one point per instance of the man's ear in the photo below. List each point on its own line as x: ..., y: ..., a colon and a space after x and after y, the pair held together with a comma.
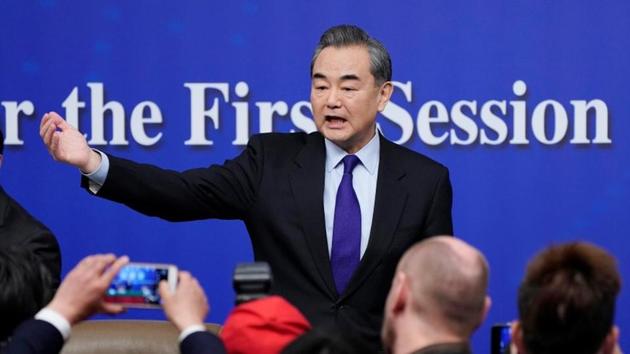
x: 610, y: 342
x: 385, y: 92
x: 516, y: 333
x: 487, y: 303
x: 400, y: 296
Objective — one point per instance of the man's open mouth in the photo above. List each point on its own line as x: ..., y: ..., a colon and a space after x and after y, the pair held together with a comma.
x: 335, y: 120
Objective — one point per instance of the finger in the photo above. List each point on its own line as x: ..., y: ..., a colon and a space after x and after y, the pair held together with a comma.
x: 184, y: 276
x: 103, y: 261
x: 194, y: 281
x: 94, y: 261
x: 110, y: 308
x: 85, y: 262
x: 164, y: 290
x: 114, y: 269
x: 59, y: 121
x: 63, y: 124
x: 48, y: 130
x: 53, y: 146
x: 43, y: 123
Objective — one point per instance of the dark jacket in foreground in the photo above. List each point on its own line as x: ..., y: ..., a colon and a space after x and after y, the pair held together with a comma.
x: 40, y: 337
x: 18, y: 228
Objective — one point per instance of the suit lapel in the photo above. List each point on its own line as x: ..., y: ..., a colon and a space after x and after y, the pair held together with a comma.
x: 388, y: 206
x: 307, y: 184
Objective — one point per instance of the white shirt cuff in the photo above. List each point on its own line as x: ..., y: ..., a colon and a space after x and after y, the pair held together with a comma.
x: 97, y: 177
x: 190, y: 330
x: 55, y: 319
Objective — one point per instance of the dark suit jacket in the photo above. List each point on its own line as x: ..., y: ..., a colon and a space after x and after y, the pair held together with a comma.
x: 34, y: 337
x: 19, y: 228
x: 40, y: 337
x: 276, y: 187
x: 202, y: 343
x: 445, y: 348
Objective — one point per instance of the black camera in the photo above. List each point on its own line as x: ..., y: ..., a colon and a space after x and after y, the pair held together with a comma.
x: 252, y: 281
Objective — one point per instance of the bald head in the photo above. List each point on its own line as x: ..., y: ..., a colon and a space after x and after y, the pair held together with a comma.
x: 448, y: 280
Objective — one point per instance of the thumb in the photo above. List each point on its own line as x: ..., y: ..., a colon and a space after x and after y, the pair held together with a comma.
x: 57, y: 118
x: 164, y: 291
x: 62, y: 124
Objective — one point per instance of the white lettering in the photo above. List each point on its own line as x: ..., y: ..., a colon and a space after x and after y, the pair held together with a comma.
x: 98, y: 116
x: 464, y: 122
x: 12, y: 113
x: 138, y: 120
x: 398, y: 115
x: 559, y: 118
x: 580, y: 119
x: 425, y: 119
x: 198, y: 114
x: 494, y: 122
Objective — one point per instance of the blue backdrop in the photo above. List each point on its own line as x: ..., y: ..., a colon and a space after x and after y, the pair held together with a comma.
x: 525, y: 102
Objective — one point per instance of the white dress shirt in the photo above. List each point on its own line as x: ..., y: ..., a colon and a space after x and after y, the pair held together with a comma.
x: 364, y: 178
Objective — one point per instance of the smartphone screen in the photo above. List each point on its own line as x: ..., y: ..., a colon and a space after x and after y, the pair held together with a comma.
x: 136, y: 284
x: 500, y: 339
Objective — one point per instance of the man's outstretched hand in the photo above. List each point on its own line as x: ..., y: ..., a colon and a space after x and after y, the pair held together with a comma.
x: 66, y: 144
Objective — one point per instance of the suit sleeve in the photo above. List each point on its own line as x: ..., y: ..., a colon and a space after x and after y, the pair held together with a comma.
x: 44, y: 245
x: 439, y: 221
x: 35, y: 336
x: 220, y: 191
x: 202, y: 343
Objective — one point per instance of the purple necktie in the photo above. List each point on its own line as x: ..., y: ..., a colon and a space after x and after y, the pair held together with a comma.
x: 346, y: 242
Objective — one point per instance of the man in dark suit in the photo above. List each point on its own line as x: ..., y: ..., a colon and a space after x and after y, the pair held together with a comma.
x: 19, y: 228
x: 438, y: 298
x: 331, y: 212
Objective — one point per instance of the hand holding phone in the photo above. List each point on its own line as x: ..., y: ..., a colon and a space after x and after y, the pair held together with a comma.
x: 186, y: 306
x: 80, y: 295
x: 136, y: 285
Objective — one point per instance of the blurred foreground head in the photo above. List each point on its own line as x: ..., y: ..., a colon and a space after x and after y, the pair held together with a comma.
x: 566, y: 301
x: 25, y: 287
x: 438, y: 295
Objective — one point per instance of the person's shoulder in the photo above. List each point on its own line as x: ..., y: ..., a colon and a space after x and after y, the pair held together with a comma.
x: 408, y: 157
x: 14, y: 216
x: 297, y: 138
x: 35, y: 336
x: 285, y: 143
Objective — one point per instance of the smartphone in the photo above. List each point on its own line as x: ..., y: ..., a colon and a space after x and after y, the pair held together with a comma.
x: 500, y: 339
x: 136, y: 285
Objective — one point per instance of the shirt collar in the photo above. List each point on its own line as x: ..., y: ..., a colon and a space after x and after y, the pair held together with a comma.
x: 369, y: 154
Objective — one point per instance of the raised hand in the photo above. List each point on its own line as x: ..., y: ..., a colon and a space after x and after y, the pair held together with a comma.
x: 66, y: 144
x: 81, y: 293
x: 187, y: 305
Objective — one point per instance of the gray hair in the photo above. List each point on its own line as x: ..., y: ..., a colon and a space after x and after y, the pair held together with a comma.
x: 349, y: 35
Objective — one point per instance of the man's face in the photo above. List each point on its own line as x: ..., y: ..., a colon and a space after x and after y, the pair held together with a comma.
x: 345, y: 97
